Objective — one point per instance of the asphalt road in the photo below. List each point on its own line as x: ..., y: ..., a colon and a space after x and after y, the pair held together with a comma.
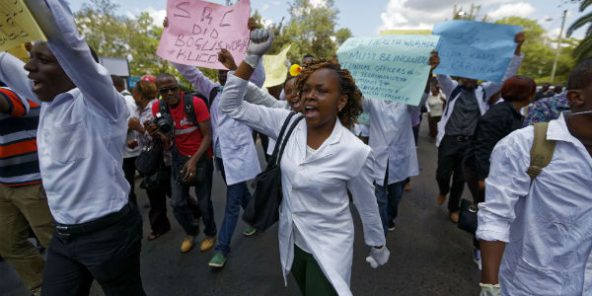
x: 429, y: 255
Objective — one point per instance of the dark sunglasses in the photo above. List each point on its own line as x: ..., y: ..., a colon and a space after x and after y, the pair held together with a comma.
x: 167, y: 90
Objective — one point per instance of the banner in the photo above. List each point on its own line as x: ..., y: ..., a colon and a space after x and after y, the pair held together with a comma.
x: 392, y: 68
x: 17, y: 25
x: 276, y: 69
x: 475, y: 50
x: 197, y: 30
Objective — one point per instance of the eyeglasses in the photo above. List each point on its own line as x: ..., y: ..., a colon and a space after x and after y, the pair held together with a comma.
x: 167, y: 90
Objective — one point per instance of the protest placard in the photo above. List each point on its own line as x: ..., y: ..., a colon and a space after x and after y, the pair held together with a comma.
x: 17, y: 25
x: 197, y: 30
x: 475, y: 50
x: 393, y: 68
x: 275, y: 67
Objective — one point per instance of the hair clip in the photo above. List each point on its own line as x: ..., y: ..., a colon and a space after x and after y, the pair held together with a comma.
x: 149, y: 78
x: 295, y: 70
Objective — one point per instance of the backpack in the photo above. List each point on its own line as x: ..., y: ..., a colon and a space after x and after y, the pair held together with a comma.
x: 188, y: 104
x: 541, y: 151
x: 541, y: 154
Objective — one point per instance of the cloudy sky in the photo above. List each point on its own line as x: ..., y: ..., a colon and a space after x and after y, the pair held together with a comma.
x: 369, y: 18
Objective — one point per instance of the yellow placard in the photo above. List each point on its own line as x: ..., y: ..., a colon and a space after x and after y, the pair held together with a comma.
x: 405, y: 32
x: 275, y: 68
x: 17, y: 25
x: 20, y: 52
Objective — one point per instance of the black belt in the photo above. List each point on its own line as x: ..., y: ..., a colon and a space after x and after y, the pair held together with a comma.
x: 66, y: 231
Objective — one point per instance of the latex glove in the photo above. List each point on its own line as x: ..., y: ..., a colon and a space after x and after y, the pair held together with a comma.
x: 261, y: 41
x: 490, y: 290
x: 378, y: 257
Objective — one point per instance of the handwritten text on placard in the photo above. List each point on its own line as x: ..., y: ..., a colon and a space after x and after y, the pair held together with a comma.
x: 17, y: 25
x: 197, y: 31
x: 393, y: 68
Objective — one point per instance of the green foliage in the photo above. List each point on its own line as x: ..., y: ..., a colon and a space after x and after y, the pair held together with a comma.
x: 538, y: 54
x: 310, y: 30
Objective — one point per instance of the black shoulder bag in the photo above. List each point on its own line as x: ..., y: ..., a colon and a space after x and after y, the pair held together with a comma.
x: 263, y: 208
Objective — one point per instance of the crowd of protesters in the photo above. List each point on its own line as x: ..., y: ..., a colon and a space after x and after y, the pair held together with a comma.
x: 73, y: 139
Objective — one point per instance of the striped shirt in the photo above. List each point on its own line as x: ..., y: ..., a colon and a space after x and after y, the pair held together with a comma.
x: 19, y: 165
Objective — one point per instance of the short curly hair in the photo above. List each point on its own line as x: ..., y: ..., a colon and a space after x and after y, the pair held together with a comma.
x: 353, y: 108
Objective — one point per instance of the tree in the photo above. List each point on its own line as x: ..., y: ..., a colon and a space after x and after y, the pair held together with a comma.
x: 584, y: 49
x: 310, y: 30
x: 538, y: 54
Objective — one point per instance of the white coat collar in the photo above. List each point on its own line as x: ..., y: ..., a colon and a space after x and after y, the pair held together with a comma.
x: 326, y: 149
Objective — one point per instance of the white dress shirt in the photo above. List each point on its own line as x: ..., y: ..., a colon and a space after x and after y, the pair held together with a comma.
x: 547, y: 225
x: 315, y: 188
x: 391, y: 138
x: 81, y: 132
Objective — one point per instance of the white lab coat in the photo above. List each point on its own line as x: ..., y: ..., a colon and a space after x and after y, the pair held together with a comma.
x: 239, y: 153
x: 391, y: 139
x: 482, y: 93
x: 315, y: 188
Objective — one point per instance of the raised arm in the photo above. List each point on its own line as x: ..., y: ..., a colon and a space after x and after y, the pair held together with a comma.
x: 202, y: 83
x: 74, y: 56
x: 444, y: 81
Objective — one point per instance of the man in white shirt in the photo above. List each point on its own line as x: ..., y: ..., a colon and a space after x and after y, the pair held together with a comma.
x: 536, y: 234
x: 80, y: 138
x: 131, y: 147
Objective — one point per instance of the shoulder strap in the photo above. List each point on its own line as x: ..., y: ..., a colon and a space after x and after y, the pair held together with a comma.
x: 162, y: 107
x: 541, y: 151
x: 189, y: 109
x: 213, y: 93
x: 286, y: 138
x: 453, y: 95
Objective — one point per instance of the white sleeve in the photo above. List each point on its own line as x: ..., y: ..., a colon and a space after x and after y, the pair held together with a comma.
x: 74, y: 56
x: 202, y: 83
x: 257, y: 96
x: 362, y: 190
x: 447, y: 85
x: 262, y: 119
x: 506, y: 184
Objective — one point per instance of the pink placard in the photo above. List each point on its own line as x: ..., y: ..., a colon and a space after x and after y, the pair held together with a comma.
x: 197, y: 30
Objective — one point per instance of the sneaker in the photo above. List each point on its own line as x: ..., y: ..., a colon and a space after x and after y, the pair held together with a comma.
x: 454, y: 217
x: 187, y: 244
x: 207, y: 243
x: 391, y: 226
x: 36, y: 291
x: 441, y: 199
x: 249, y: 230
x: 477, y: 258
x: 217, y: 261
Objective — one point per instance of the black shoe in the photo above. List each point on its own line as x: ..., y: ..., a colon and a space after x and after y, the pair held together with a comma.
x: 391, y: 226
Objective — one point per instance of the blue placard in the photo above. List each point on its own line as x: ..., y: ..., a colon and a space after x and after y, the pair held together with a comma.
x: 392, y: 68
x: 475, y: 50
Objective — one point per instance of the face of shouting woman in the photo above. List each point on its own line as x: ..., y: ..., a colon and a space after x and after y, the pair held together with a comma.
x: 322, y: 99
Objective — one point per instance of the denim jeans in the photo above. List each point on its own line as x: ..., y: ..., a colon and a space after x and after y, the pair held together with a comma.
x: 237, y: 196
x: 203, y: 192
x: 388, y: 201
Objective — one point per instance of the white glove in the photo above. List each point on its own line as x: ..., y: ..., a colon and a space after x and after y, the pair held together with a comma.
x: 378, y: 257
x: 261, y: 41
x: 490, y: 290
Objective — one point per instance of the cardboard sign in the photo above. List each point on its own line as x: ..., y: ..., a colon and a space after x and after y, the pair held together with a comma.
x: 197, y: 31
x: 276, y: 69
x: 392, y: 67
x: 475, y: 50
x: 17, y: 25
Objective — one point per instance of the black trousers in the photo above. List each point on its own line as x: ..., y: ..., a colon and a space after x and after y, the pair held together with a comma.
x: 129, y: 169
x: 451, y: 153
x: 110, y: 255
